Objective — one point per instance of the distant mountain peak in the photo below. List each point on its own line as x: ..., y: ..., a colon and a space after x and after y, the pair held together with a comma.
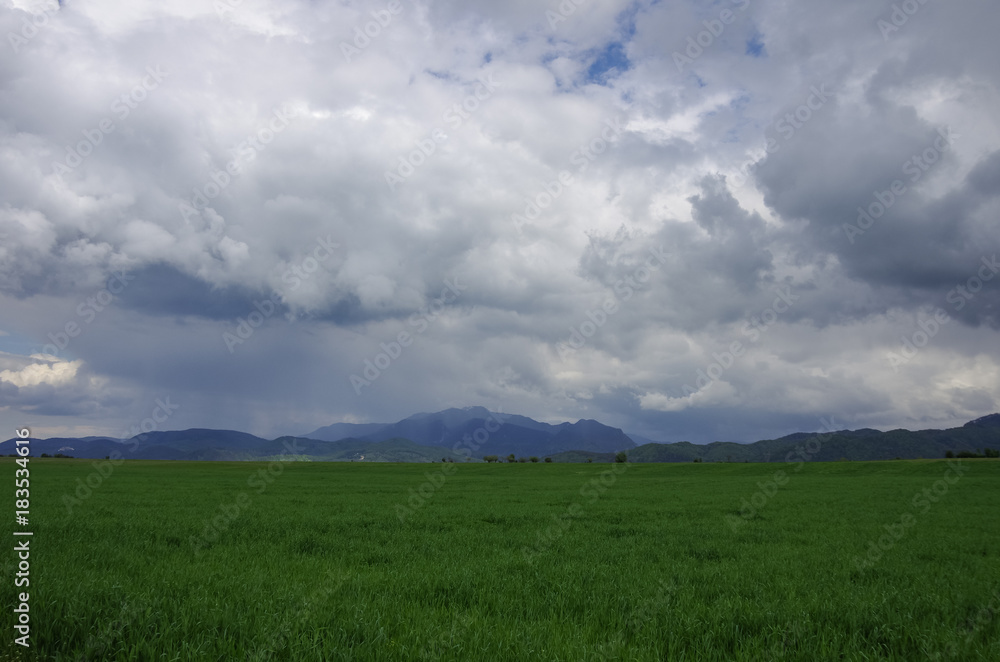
x: 990, y: 421
x: 505, y: 433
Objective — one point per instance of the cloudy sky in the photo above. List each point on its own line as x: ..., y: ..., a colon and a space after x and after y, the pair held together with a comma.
x: 692, y: 220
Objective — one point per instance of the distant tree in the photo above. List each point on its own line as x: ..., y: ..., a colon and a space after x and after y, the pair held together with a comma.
x: 548, y: 459
x: 491, y: 458
x: 589, y: 460
x: 697, y: 459
x: 949, y: 454
x: 621, y: 457
x: 988, y: 452
x: 522, y: 459
x: 46, y: 455
x: 533, y: 458
x: 510, y: 458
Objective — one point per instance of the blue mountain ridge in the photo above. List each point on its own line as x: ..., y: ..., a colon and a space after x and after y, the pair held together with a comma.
x: 454, y: 433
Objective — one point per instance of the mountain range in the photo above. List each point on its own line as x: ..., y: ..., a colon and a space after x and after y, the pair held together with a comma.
x: 855, y: 445
x: 455, y: 434
x: 486, y: 433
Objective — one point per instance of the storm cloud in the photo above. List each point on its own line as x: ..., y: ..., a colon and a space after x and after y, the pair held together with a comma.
x: 695, y: 221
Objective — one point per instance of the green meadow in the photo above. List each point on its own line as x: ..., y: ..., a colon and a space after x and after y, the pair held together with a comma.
x: 366, y: 561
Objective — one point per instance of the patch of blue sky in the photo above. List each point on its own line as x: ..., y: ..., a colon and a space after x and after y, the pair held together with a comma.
x: 755, y: 45
x: 611, y: 61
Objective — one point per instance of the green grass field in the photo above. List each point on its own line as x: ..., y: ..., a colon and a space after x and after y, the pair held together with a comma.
x: 510, y: 562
